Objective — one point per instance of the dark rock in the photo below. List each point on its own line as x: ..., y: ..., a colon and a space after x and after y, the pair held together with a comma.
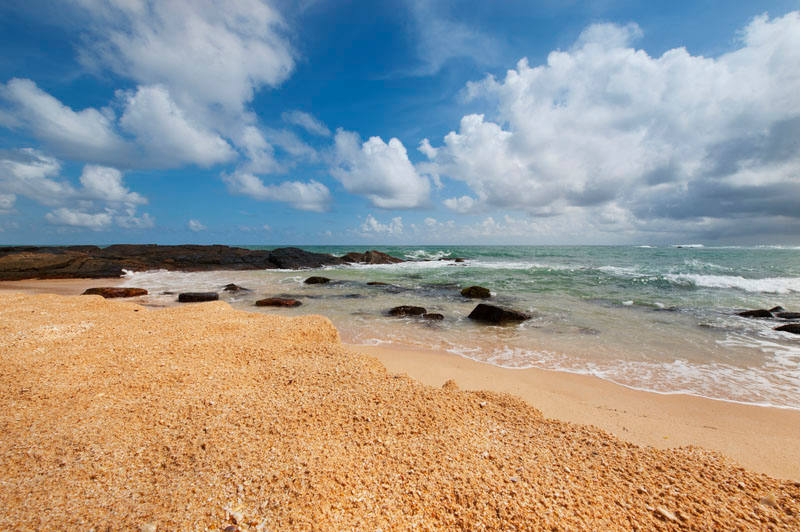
x: 476, y: 292
x: 317, y: 280
x: 371, y: 257
x: 793, y: 328
x: 296, y: 258
x: 377, y: 283
x: 758, y: 313
x: 432, y: 316
x: 777, y: 309
x: 452, y: 259
x: 235, y: 288
x: 278, y: 302
x: 493, y: 314
x: 197, y: 297
x: 113, y: 291
x: 459, y: 259
x: 407, y: 310
x: 788, y: 315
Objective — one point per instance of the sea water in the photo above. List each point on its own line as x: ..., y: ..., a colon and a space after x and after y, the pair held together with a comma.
x: 661, y: 319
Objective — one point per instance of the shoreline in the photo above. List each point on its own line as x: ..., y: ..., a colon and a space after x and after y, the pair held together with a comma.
x: 765, y: 439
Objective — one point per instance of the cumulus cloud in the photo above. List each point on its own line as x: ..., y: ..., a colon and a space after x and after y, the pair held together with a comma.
x: 312, y: 196
x: 195, y: 226
x: 677, y: 136
x: 30, y: 173
x: 307, y: 122
x: 372, y: 226
x: 382, y: 172
x: 7, y: 202
x: 104, y: 183
x: 77, y: 218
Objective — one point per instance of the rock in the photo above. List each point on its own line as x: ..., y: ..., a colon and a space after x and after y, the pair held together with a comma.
x: 278, y: 302
x: 665, y: 514
x: 377, y: 283
x: 407, y: 310
x: 793, y: 328
x: 113, y: 291
x: 758, y: 313
x: 317, y: 280
x: 432, y: 316
x: 777, y: 309
x: 197, y: 297
x: 493, y: 314
x: 235, y: 288
x: 450, y: 385
x: 788, y: 315
x: 769, y: 500
x: 459, y: 259
x: 371, y: 257
x: 476, y: 292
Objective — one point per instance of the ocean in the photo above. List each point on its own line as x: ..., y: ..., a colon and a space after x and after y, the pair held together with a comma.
x: 661, y: 319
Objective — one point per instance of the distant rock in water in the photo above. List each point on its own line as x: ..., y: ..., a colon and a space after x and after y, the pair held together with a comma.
x: 197, y: 297
x: 476, y: 292
x: 377, y: 283
x: 758, y: 313
x: 793, y: 328
x: 432, y: 316
x: 278, y: 302
x: 113, y: 291
x: 777, y: 309
x: 317, y: 280
x: 788, y: 315
x: 371, y: 257
x: 407, y: 310
x: 235, y: 288
x: 493, y: 314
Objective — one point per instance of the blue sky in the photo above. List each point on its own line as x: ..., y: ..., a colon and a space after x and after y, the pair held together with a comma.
x: 402, y: 122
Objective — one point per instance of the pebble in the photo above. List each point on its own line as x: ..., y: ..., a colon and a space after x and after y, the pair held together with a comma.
x: 770, y: 500
x: 148, y: 527
x: 666, y: 514
x: 483, y: 403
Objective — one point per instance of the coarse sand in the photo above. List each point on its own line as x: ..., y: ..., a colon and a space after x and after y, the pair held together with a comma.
x: 201, y: 417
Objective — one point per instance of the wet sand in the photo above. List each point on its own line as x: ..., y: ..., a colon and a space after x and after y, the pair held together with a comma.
x: 201, y: 417
x: 65, y: 287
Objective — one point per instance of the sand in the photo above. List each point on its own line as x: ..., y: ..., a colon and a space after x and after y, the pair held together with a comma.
x: 205, y: 418
x: 67, y: 287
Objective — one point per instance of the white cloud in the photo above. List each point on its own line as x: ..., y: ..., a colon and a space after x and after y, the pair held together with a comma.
x: 373, y: 226
x: 28, y: 172
x: 7, y: 203
x: 166, y: 134
x: 78, y: 218
x: 307, y: 122
x: 311, y: 196
x: 382, y: 172
x: 196, y: 226
x: 677, y: 136
x: 129, y: 220
x: 104, y: 183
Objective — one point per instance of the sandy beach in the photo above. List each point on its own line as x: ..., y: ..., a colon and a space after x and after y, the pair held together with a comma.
x: 202, y: 417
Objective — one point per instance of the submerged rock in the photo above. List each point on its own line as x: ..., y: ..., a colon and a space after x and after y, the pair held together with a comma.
x: 476, y: 292
x: 197, y: 297
x: 235, y: 288
x: 777, y: 309
x: 371, y: 257
x: 114, y: 291
x: 377, y: 283
x: 788, y: 315
x: 493, y: 314
x: 407, y: 310
x: 758, y: 313
x: 433, y: 316
x: 317, y: 280
x: 793, y: 328
x: 278, y: 302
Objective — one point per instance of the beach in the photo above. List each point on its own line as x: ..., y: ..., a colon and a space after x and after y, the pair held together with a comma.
x: 203, y: 417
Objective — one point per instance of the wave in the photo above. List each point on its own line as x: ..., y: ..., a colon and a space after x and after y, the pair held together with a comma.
x: 688, y: 245
x: 768, y: 285
x: 421, y: 254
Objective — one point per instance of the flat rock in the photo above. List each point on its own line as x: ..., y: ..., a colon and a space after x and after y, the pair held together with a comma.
x: 278, y: 302
x: 433, y: 316
x: 757, y: 313
x: 197, y: 297
x: 788, y: 315
x: 793, y: 328
x: 407, y: 310
x: 493, y: 314
x: 476, y: 292
x: 114, y: 291
x: 317, y: 280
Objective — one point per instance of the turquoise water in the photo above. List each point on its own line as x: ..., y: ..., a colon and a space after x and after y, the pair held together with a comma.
x: 654, y: 318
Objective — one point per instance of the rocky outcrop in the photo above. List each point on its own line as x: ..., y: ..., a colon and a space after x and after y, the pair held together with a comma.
x: 407, y: 310
x: 28, y: 262
x: 371, y: 257
x: 493, y: 314
x: 757, y: 313
x: 114, y: 291
x: 793, y: 328
x: 235, y: 288
x: 278, y: 302
x: 197, y: 297
x: 476, y: 292
x: 788, y: 315
x: 317, y: 280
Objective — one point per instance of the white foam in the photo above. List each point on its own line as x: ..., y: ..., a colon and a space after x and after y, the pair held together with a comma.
x: 769, y: 285
x: 421, y: 254
x: 688, y: 245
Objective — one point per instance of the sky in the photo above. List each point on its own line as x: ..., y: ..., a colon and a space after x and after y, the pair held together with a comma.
x: 276, y: 122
